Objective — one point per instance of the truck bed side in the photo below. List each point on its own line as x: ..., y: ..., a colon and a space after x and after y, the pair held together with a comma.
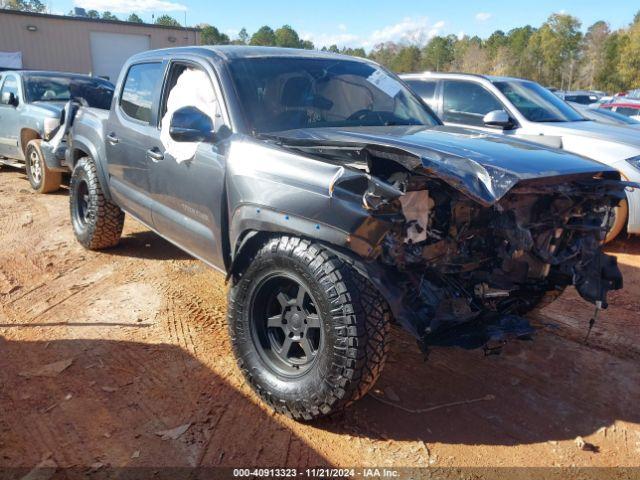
x: 87, y: 138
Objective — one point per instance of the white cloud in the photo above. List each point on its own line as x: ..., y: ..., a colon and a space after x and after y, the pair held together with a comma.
x: 232, y: 32
x: 410, y: 30
x: 128, y: 6
x: 326, y: 40
x: 483, y: 16
x: 416, y: 31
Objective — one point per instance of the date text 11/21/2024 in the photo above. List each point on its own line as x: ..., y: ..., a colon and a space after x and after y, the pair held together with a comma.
x: 316, y: 472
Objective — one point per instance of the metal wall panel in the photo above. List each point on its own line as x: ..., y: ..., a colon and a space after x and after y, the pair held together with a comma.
x: 52, y: 42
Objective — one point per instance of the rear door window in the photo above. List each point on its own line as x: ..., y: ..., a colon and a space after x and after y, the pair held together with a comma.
x: 467, y: 103
x: 425, y: 90
x: 139, y: 89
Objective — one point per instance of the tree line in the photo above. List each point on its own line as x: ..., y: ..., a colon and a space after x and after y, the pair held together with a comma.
x: 557, y: 53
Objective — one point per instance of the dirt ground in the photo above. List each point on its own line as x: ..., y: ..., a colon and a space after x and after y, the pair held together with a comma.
x: 102, y: 352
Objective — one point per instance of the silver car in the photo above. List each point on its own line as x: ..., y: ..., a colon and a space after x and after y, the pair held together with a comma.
x: 605, y: 115
x: 526, y: 110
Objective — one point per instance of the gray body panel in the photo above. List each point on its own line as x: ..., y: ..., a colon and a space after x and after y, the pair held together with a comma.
x: 245, y: 184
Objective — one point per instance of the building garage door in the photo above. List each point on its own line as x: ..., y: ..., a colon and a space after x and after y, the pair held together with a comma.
x: 109, y: 51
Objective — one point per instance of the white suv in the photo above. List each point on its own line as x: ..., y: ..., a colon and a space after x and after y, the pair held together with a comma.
x: 526, y: 110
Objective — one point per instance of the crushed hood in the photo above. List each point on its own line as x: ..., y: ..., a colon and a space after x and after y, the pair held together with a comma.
x: 482, y: 166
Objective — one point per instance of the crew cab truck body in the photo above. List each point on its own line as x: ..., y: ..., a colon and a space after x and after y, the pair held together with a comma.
x: 334, y: 199
x: 31, y: 110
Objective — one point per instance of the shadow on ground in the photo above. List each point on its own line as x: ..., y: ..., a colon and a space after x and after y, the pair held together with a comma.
x: 628, y: 244
x: 146, y: 244
x: 547, y: 390
x: 114, y: 398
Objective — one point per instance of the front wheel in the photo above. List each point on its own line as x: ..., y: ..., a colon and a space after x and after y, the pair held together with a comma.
x: 620, y: 215
x: 42, y: 179
x: 97, y: 222
x: 309, y: 333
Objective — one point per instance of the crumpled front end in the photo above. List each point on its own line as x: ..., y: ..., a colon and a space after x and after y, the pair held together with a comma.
x: 461, y: 249
x: 459, y: 271
x: 466, y: 272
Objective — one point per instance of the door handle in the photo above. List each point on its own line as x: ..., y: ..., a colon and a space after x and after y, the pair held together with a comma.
x: 112, y: 138
x: 155, y: 154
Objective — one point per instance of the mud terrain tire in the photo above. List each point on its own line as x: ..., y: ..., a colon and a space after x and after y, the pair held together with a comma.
x: 351, y: 340
x: 42, y: 179
x: 97, y: 223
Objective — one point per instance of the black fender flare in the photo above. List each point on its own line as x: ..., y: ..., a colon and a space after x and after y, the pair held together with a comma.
x: 251, y: 227
x: 80, y: 144
x: 251, y: 224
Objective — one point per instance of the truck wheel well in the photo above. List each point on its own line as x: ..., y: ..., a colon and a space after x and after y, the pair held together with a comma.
x: 246, y: 247
x: 26, y: 135
x: 251, y: 241
x: 77, y: 155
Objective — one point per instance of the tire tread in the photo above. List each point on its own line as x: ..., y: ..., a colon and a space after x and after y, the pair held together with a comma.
x: 106, y: 229
x: 358, y: 312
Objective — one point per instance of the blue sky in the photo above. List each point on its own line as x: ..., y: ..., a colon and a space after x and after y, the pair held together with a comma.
x: 351, y: 23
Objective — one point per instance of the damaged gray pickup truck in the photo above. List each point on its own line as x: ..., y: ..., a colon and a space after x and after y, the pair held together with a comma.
x: 335, y: 201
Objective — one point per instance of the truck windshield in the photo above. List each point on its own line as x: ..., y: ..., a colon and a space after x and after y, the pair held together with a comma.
x: 96, y: 92
x: 292, y: 93
x: 536, y: 103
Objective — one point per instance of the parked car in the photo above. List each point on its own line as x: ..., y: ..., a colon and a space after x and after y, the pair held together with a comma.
x: 523, y: 109
x: 627, y: 108
x: 582, y: 97
x: 603, y: 101
x: 31, y: 104
x: 334, y: 199
x: 605, y: 116
x: 633, y: 94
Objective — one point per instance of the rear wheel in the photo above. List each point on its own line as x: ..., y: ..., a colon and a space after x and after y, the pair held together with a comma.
x: 42, y: 179
x: 97, y: 222
x: 308, y: 331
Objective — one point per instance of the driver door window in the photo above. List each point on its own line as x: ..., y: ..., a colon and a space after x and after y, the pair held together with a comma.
x: 10, y: 86
x: 467, y: 103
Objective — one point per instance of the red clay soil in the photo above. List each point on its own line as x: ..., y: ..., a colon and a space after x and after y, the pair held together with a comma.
x: 101, y: 354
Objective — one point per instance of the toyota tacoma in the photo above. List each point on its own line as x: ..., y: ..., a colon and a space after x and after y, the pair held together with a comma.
x: 336, y: 202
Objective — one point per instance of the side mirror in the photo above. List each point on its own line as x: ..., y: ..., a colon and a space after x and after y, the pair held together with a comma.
x: 9, y: 98
x: 498, y: 118
x: 188, y: 124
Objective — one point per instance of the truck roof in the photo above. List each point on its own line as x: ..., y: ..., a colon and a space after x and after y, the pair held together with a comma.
x: 231, y: 52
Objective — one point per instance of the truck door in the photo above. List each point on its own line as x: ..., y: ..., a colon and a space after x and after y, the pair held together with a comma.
x: 9, y: 116
x: 187, y: 181
x: 130, y: 134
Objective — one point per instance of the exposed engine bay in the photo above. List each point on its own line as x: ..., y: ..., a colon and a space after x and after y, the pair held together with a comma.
x: 463, y: 261
x: 462, y: 272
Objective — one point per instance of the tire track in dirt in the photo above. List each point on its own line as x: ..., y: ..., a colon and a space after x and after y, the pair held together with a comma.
x: 163, y: 355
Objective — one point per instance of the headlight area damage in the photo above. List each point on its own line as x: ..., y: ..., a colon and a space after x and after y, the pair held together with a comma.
x: 461, y: 250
